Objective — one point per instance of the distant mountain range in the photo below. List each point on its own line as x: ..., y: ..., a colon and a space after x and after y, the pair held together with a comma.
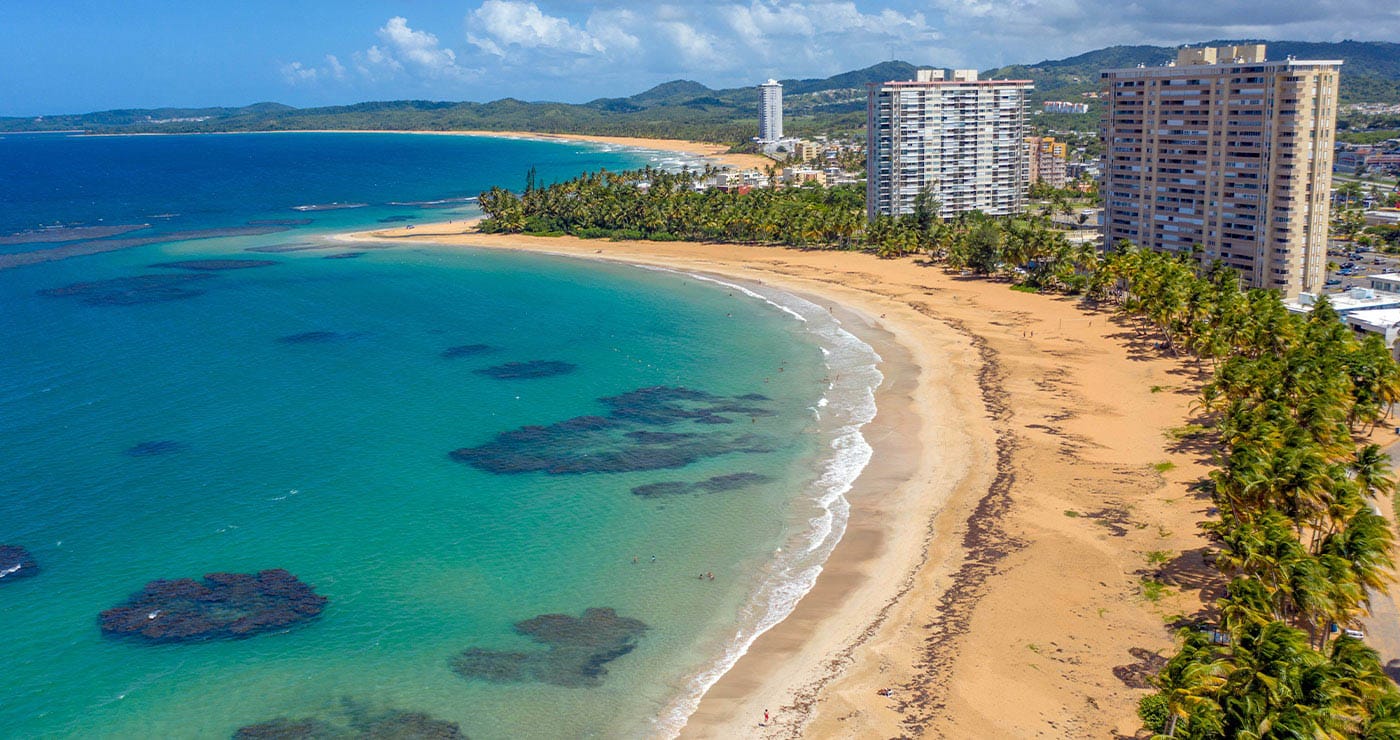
x: 688, y: 109
x: 1371, y: 72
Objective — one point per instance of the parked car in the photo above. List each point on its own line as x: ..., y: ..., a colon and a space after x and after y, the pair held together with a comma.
x: 1333, y: 281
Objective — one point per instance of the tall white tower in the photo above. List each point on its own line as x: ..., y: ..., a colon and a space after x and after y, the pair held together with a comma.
x: 770, y: 111
x: 961, y: 140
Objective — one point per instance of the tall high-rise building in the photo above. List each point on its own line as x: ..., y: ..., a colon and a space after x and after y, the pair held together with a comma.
x: 1228, y: 151
x: 770, y: 111
x: 961, y: 141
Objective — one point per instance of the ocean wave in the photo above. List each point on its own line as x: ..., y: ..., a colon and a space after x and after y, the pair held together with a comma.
x: 328, y: 206
x: 441, y: 203
x: 849, y: 405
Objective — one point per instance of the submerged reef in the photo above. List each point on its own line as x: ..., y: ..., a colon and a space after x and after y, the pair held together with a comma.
x: 527, y: 370
x: 225, y: 605
x: 281, y: 222
x: 467, y: 350
x: 16, y: 563
x: 717, y: 484
x: 355, y: 722
x: 98, y: 246
x: 215, y: 265
x: 53, y: 234
x: 344, y: 256
x: 293, y: 247
x: 576, y: 649
x: 155, y: 447
x: 622, y: 441
x: 132, y: 291
x: 312, y: 337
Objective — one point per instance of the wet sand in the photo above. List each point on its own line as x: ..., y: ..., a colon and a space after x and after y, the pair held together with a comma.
x: 991, y: 574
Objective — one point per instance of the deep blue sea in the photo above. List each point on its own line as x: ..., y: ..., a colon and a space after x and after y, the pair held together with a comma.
x: 510, y: 476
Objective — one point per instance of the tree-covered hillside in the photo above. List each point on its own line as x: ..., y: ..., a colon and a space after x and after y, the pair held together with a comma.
x: 1370, y: 73
x: 689, y: 109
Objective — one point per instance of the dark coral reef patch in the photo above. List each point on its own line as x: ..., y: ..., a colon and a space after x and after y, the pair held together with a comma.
x: 528, y: 370
x: 355, y: 722
x: 626, y: 439
x: 313, y: 337
x: 467, y: 350
x: 576, y: 650
x: 224, y: 605
x: 215, y: 265
x: 717, y: 484
x: 133, y: 291
x: 16, y: 563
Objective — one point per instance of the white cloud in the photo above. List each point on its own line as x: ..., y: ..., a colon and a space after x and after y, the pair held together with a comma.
x: 295, y: 73
x: 570, y: 50
x: 727, y: 39
x: 333, y: 65
x: 507, y: 23
x: 416, y: 50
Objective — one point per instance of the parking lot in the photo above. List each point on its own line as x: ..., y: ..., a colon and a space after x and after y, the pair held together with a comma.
x: 1354, y: 267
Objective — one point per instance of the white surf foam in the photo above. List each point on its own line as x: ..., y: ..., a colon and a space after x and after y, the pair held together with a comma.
x: 853, y: 370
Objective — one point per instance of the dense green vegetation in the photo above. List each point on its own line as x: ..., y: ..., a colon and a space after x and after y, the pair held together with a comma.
x: 1298, y: 535
x: 687, y: 109
x: 612, y: 205
x: 669, y: 208
x: 1367, y: 136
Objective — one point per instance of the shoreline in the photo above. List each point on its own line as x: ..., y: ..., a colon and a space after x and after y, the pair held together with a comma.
x: 957, y: 559
x: 704, y: 150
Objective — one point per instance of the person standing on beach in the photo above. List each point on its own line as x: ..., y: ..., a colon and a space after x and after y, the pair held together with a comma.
x: 765, y: 718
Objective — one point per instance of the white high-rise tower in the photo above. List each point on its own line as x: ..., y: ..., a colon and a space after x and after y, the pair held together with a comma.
x: 962, y: 141
x: 770, y: 111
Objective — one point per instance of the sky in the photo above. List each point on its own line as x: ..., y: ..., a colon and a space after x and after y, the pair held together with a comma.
x: 76, y: 56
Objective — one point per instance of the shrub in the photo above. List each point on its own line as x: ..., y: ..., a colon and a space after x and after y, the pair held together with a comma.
x: 1152, y: 710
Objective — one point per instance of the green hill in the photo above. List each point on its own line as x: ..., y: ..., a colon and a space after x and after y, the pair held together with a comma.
x: 689, y: 109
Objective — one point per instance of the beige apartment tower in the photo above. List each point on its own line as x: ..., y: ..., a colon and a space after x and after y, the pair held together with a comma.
x: 1227, y: 151
x: 1049, y: 161
x: 962, y: 141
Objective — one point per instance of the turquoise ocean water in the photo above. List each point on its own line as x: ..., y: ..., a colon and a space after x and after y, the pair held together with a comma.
x: 305, y: 414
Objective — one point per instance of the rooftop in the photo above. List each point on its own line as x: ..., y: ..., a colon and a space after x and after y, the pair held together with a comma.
x: 1356, y: 299
x: 1376, y: 316
x: 1207, y: 59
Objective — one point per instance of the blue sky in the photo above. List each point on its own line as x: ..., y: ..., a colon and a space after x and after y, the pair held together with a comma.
x: 70, y: 56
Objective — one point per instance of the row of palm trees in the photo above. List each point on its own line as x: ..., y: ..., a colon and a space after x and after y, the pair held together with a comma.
x: 663, y: 206
x: 659, y: 205
x: 1298, y: 535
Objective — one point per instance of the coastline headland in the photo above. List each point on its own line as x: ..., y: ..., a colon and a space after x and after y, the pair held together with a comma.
x: 989, y: 580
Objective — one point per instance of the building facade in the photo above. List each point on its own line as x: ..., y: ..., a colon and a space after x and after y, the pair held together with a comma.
x: 962, y: 141
x: 770, y: 111
x: 1064, y: 106
x: 1049, y: 161
x: 1227, y: 151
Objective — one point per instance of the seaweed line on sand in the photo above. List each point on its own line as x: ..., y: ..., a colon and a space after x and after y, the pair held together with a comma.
x: 984, y: 544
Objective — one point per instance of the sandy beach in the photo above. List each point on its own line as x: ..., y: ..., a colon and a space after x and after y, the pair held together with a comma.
x: 717, y: 152
x: 992, y: 574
